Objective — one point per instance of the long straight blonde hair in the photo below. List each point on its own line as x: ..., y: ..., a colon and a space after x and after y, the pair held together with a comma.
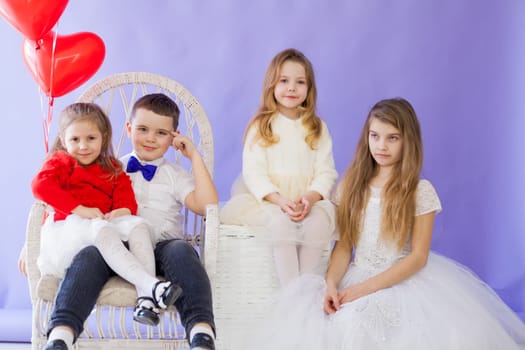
x: 268, y: 107
x: 399, y: 193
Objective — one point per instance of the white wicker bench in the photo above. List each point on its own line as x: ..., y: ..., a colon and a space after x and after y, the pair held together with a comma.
x: 110, y: 326
x: 244, y: 281
x: 240, y: 263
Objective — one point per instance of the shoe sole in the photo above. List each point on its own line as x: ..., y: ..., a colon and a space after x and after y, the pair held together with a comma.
x: 151, y: 320
x: 172, y: 297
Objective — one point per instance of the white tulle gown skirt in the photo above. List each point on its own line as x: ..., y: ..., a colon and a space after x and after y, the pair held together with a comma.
x: 444, y: 306
x: 61, y: 240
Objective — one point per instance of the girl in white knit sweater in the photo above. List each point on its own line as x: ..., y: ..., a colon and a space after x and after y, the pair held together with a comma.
x: 288, y: 169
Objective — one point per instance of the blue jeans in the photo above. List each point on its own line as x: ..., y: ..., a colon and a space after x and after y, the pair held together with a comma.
x: 175, y: 259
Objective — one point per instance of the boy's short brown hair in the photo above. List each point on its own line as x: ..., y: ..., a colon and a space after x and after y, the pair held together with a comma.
x: 160, y: 104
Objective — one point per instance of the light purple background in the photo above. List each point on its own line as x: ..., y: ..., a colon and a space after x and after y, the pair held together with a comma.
x: 460, y: 62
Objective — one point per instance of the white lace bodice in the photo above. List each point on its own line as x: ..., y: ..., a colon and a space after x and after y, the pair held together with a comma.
x: 374, y: 253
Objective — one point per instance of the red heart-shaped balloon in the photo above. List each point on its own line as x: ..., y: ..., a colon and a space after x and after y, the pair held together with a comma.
x: 75, y: 59
x: 33, y: 18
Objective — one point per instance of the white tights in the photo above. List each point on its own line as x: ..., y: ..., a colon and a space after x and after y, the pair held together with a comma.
x: 292, y: 260
x: 303, y: 252
x: 136, y: 265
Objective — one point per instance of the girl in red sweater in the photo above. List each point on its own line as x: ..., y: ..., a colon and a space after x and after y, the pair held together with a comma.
x: 92, y: 203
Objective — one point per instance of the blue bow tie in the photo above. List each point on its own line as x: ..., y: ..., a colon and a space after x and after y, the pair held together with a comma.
x: 147, y: 170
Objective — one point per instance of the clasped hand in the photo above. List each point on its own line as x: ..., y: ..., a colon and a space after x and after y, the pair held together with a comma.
x: 296, y: 210
x: 95, y: 213
x: 334, y: 299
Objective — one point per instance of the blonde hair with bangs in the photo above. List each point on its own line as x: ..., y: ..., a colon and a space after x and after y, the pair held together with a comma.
x: 399, y: 193
x: 91, y: 112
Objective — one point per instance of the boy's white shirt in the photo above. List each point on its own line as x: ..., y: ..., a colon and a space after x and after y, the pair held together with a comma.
x: 160, y: 200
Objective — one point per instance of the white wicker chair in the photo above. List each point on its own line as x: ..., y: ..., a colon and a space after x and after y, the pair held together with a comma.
x: 110, y: 326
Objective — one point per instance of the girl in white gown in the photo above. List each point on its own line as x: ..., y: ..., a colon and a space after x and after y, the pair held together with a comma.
x: 384, y: 289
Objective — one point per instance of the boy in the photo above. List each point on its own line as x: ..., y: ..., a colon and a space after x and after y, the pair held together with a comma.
x: 161, y: 188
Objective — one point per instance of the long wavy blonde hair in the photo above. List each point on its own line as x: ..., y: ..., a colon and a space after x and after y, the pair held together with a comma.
x: 399, y: 193
x: 268, y: 107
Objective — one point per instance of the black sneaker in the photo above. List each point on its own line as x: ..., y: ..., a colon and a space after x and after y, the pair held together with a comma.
x: 57, y: 344
x: 202, y: 341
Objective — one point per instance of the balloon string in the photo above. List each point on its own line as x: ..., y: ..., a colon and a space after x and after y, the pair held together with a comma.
x: 46, y: 120
x: 46, y: 140
x: 52, y: 70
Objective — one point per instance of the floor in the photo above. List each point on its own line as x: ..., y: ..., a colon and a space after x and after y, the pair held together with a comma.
x: 15, y: 346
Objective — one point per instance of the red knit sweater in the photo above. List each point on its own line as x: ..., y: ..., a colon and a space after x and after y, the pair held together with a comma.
x: 65, y: 184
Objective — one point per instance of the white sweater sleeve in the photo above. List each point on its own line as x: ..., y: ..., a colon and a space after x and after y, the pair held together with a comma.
x: 255, y: 167
x: 325, y: 173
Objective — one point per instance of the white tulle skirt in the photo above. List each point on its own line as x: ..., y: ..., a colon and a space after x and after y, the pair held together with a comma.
x: 316, y: 229
x: 444, y: 306
x: 61, y: 240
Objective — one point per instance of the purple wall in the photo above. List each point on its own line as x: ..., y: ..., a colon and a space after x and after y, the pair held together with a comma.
x: 459, y: 62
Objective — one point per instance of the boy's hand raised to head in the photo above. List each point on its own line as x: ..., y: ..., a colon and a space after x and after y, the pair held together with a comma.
x: 184, y: 144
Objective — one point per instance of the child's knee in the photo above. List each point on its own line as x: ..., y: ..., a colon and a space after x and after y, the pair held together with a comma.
x: 90, y: 253
x: 181, y: 248
x: 279, y: 221
x: 89, y: 256
x: 141, y: 232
